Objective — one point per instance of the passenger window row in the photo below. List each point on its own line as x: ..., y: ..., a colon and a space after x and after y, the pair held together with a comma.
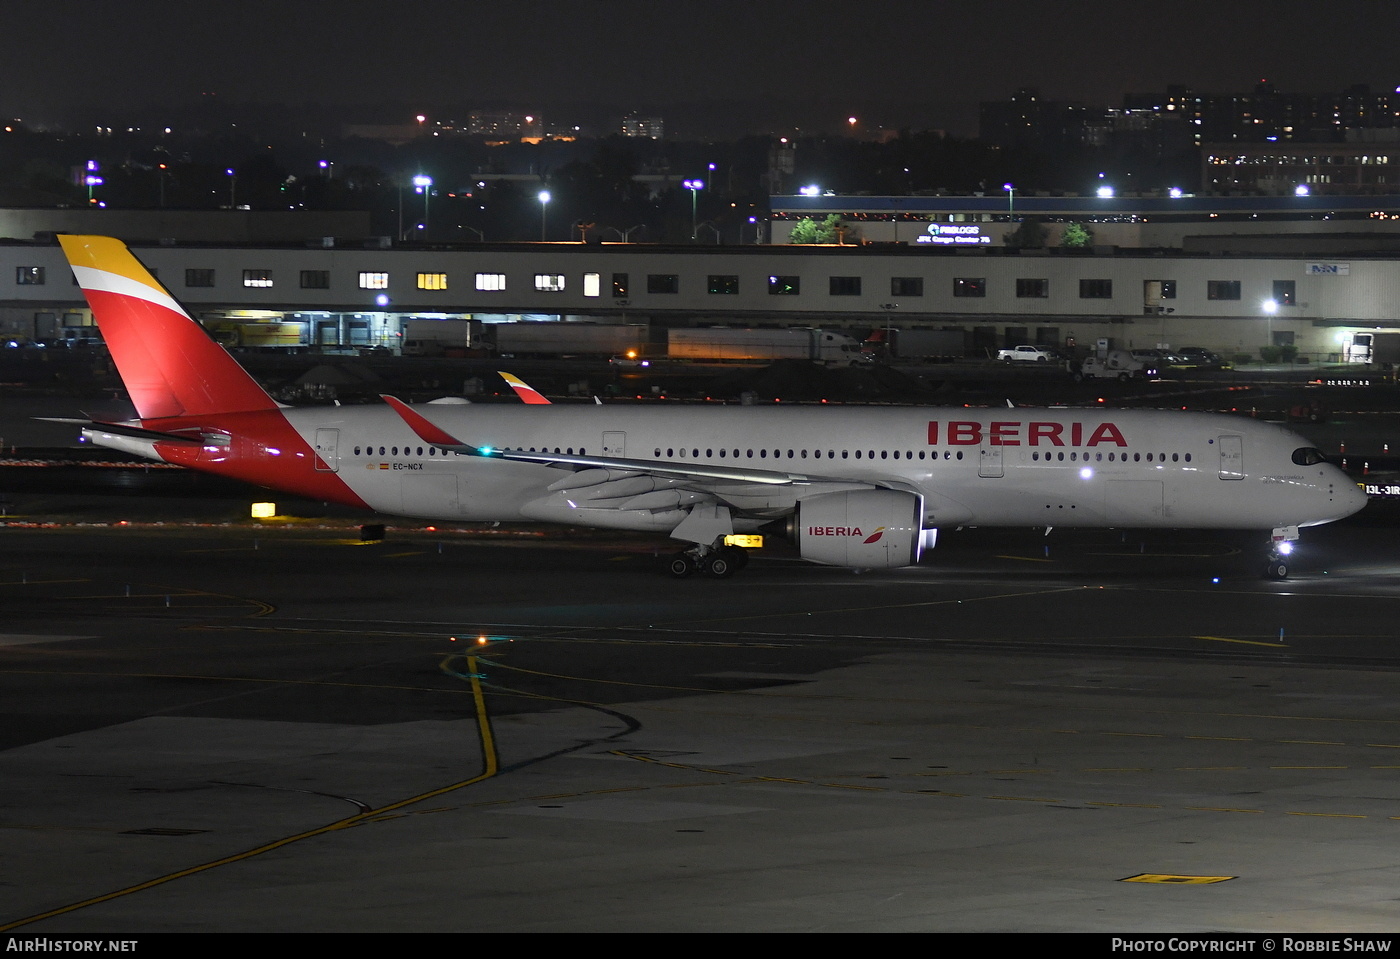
x: 831, y: 454
x: 1111, y: 457
x: 434, y: 451
x: 694, y: 453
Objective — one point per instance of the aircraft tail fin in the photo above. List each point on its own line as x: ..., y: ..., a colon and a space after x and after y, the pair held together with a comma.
x: 169, y: 364
x: 524, y: 390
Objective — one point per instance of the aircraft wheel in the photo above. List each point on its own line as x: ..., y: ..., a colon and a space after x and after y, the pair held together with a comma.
x: 722, y: 565
x: 1276, y: 569
x: 738, y: 556
x: 681, y: 566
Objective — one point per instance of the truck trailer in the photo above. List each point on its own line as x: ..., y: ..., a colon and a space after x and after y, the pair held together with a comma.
x: 440, y: 337
x: 569, y: 339
x: 728, y: 344
x: 916, y: 345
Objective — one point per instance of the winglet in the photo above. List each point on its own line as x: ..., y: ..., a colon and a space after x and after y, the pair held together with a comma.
x: 420, y: 424
x: 524, y: 390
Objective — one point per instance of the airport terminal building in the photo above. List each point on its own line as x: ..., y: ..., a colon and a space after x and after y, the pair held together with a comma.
x: 1280, y: 282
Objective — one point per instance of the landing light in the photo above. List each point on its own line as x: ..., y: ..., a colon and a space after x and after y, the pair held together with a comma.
x: 1285, y: 548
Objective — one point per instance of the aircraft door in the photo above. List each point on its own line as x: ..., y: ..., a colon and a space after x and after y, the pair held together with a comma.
x: 327, y: 451
x: 614, y: 444
x: 1231, y: 457
x: 989, y: 461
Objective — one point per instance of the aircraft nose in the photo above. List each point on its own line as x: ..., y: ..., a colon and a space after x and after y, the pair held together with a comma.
x: 1350, y: 496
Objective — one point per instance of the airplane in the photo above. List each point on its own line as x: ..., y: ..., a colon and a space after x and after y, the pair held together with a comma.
x: 853, y: 486
x: 526, y: 392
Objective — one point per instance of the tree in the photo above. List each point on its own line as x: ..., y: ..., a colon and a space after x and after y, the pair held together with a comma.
x: 831, y: 230
x: 1029, y: 235
x: 804, y: 231
x: 1076, y: 236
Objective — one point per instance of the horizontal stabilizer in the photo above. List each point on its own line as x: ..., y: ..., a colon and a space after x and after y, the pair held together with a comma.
x: 135, y: 432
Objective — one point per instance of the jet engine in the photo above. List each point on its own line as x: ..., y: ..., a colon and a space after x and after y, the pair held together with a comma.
x: 869, y: 529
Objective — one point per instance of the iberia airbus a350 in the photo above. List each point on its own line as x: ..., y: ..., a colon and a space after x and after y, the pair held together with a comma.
x: 855, y: 486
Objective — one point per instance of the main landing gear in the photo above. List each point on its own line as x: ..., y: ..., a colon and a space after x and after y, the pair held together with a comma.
x: 721, y: 562
x: 1280, y: 549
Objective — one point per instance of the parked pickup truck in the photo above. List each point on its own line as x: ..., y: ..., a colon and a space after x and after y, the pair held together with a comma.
x: 1028, y: 354
x: 1115, y: 365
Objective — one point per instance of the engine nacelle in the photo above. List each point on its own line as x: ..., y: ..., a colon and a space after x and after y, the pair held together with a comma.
x: 869, y: 529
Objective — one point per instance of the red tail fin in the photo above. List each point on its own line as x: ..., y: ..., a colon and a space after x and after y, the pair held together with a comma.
x: 170, y: 365
x: 524, y: 390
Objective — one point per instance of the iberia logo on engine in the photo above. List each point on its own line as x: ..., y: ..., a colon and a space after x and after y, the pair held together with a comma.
x: 846, y: 531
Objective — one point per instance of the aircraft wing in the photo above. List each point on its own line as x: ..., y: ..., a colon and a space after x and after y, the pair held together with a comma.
x: 429, y: 432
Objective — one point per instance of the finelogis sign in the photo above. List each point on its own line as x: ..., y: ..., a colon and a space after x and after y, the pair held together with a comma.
x: 949, y: 234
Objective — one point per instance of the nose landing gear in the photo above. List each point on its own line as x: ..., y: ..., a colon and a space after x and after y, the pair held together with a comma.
x: 1281, y: 542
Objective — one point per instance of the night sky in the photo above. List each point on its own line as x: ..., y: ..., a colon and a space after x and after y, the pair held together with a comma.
x: 922, y: 63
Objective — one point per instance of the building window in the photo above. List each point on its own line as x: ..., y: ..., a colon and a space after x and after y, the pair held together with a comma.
x: 1096, y: 289
x: 592, y: 284
x: 491, y: 282
x: 29, y: 275
x: 310, y: 279
x: 970, y: 286
x: 1285, y: 292
x: 1168, y: 289
x: 432, y: 281
x: 723, y: 284
x: 663, y: 283
x: 374, y: 281
x: 549, y: 282
x: 845, y: 286
x: 620, y: 285
x: 199, y: 278
x: 1032, y: 288
x: 1222, y: 289
x: 258, y: 278
x: 784, y: 285
x: 906, y: 286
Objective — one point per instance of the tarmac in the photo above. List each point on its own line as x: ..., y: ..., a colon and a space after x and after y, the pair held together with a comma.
x: 211, y: 726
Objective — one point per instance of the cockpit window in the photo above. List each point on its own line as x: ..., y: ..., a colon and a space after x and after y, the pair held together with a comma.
x: 1307, y: 456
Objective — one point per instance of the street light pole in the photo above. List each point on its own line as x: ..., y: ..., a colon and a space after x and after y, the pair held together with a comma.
x: 424, y: 185
x: 544, y: 205
x: 694, y: 186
